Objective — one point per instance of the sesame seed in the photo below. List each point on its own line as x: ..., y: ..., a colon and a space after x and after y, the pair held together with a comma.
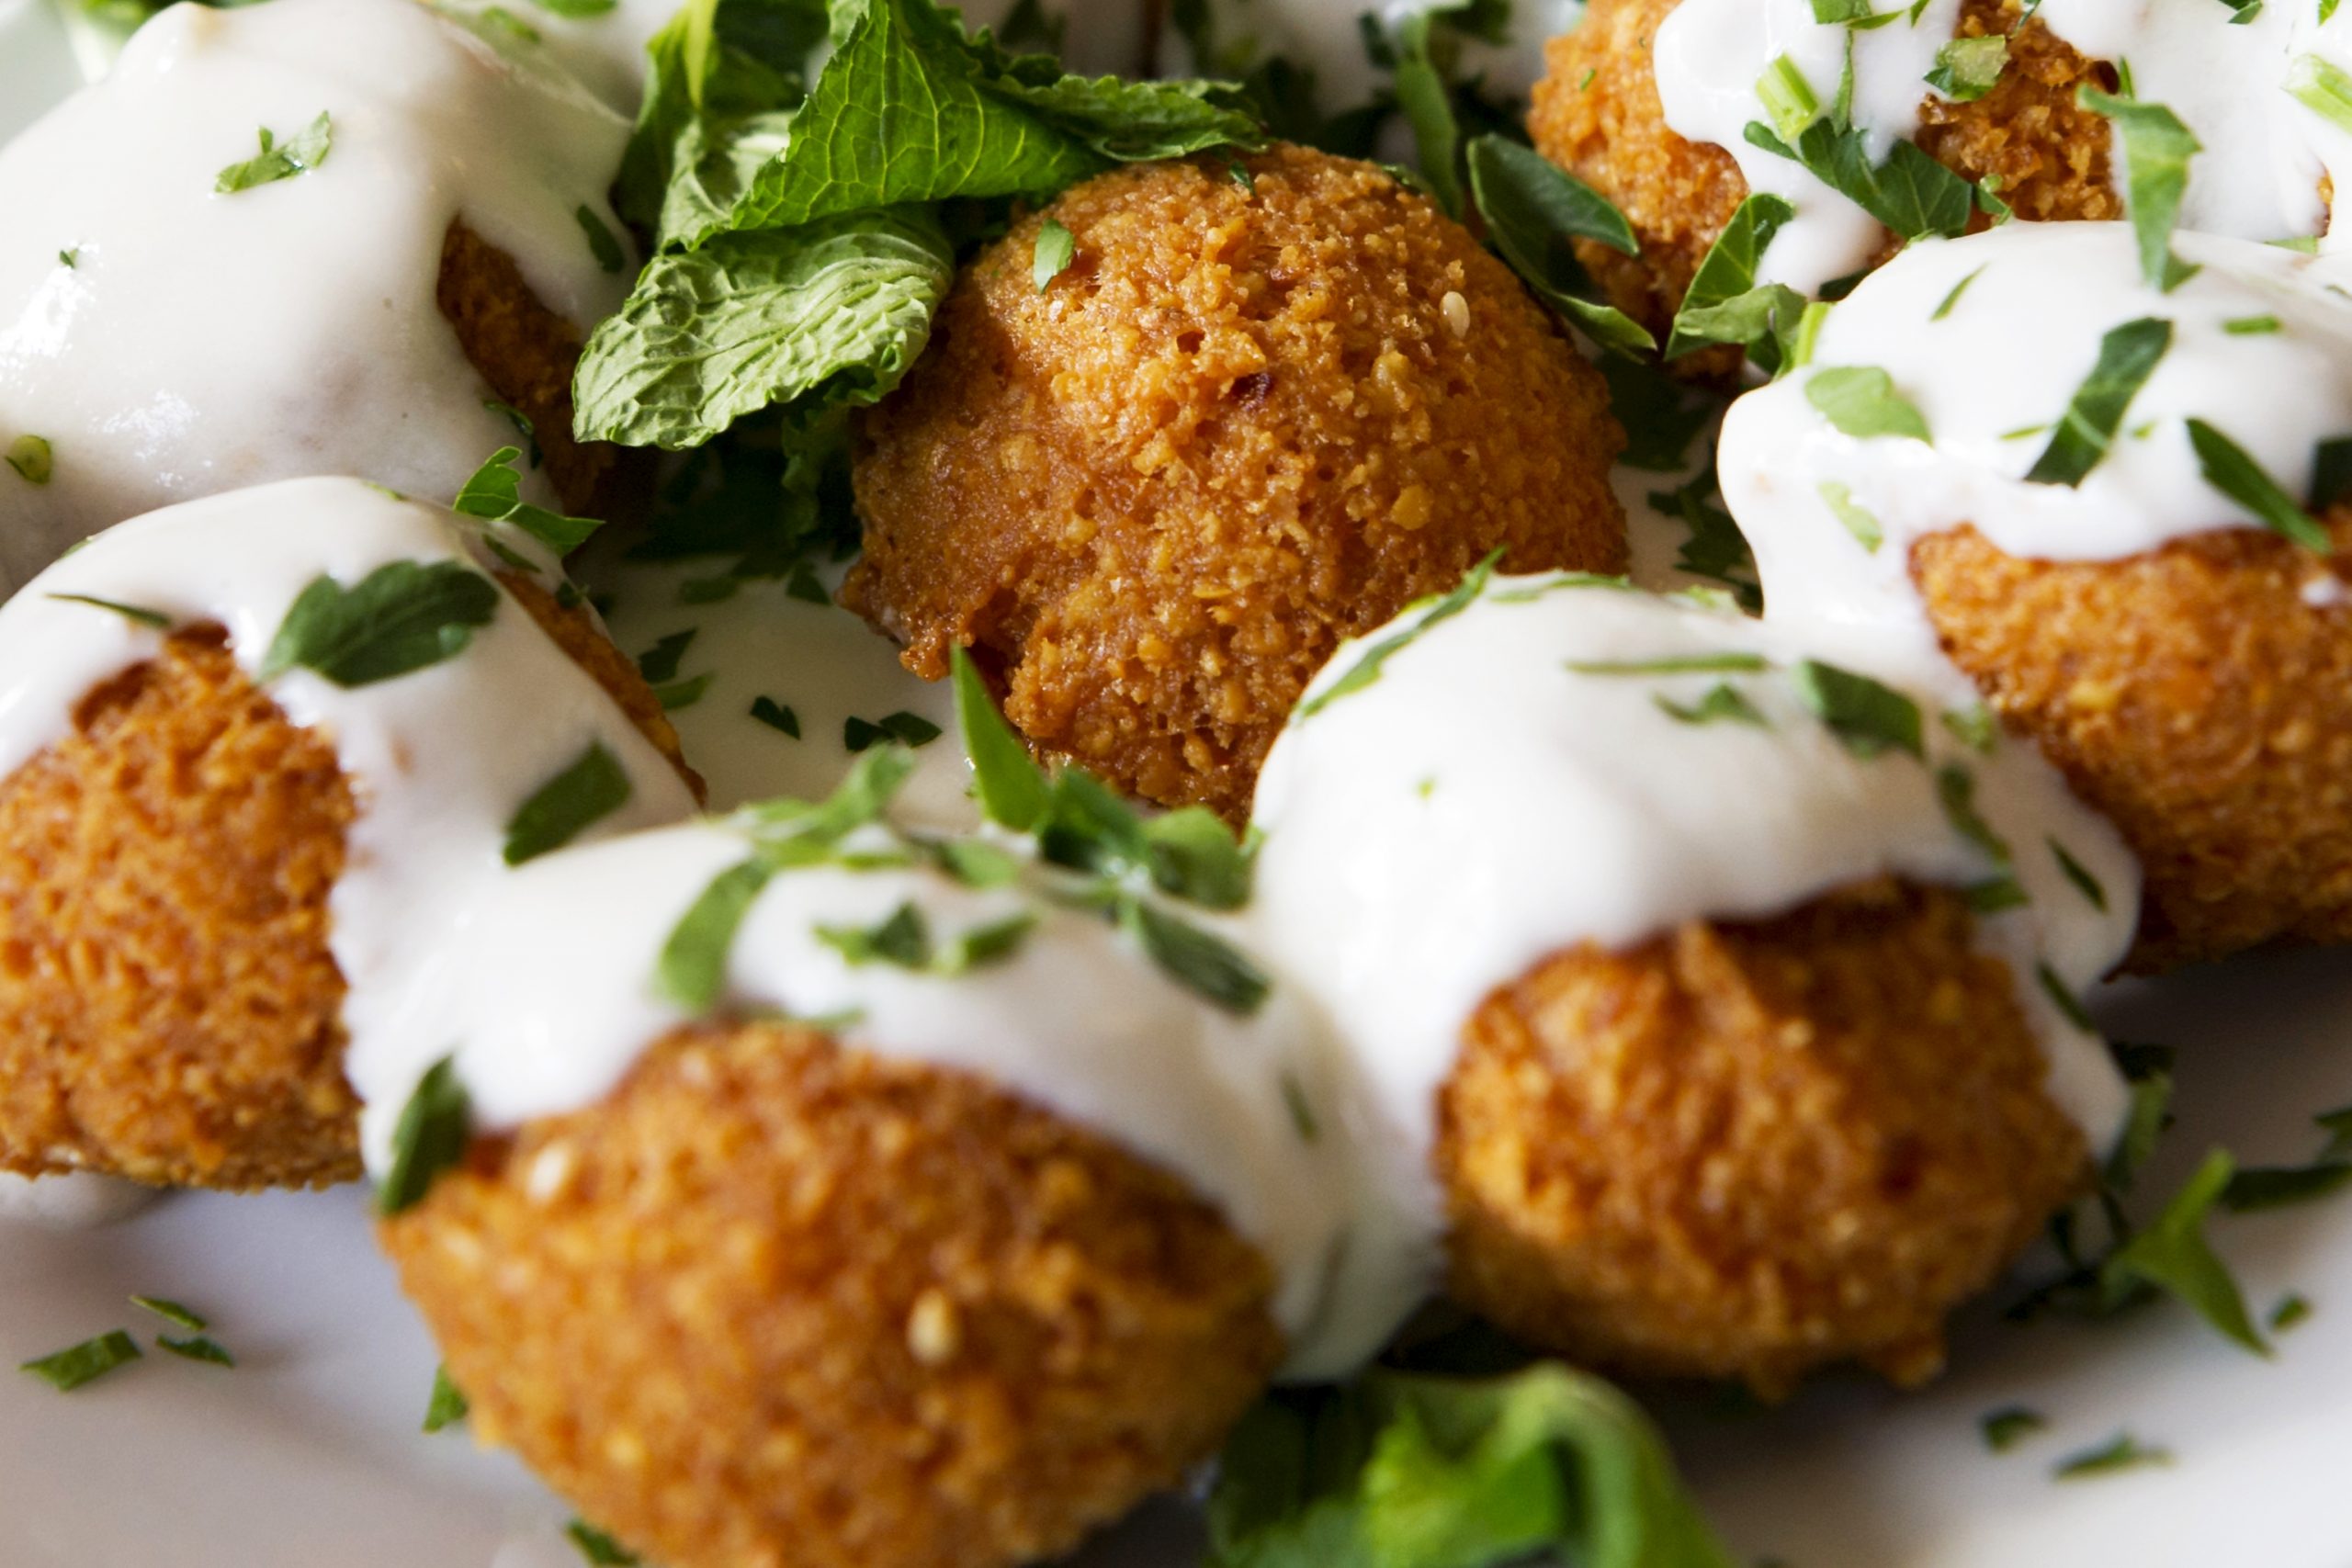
x: 1458, y: 312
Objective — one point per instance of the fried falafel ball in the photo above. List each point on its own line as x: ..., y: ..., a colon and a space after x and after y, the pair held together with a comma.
x: 1597, y: 114
x: 1750, y: 1150
x: 780, y: 1302
x: 1257, y: 414
x: 169, y: 1008
x: 2196, y: 695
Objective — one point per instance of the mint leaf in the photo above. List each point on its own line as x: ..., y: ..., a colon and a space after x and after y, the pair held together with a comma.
x: 299, y: 154
x: 830, y: 313
x: 2156, y: 151
x: 401, y: 617
x: 431, y: 1136
x: 2127, y: 356
x: 568, y: 805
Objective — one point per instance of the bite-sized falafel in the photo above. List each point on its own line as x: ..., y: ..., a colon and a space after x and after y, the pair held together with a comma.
x: 1263, y: 407
x: 171, y: 1007
x: 1749, y: 1150
x: 1597, y: 115
x: 779, y: 1302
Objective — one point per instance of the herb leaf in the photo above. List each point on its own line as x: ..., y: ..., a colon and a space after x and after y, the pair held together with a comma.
x: 692, y: 966
x: 1204, y: 964
x: 602, y: 243
x: 403, y: 617
x: 592, y: 788
x: 448, y: 1404
x: 1910, y: 192
x: 2278, y: 1187
x: 2007, y: 1428
x: 599, y: 1548
x: 1722, y: 704
x: 1859, y: 520
x: 154, y: 620
x: 1967, y: 68
x: 907, y: 729
x: 2127, y: 356
x: 775, y: 715
x: 1366, y: 670
x: 434, y: 1129
x: 198, y: 1347
x: 1011, y: 789
x: 494, y: 494
x: 1867, y: 717
x: 1533, y: 209
x: 69, y: 1368
x: 2228, y: 468
x: 1057, y: 247
x: 1723, y: 303
x: 2156, y: 151
x: 299, y: 154
x: 2173, y: 1255
x: 172, y: 1311
x: 1860, y: 400
x: 2123, y: 1452
x: 32, y: 459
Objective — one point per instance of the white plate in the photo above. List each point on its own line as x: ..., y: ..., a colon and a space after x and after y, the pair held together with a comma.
x: 309, y: 1454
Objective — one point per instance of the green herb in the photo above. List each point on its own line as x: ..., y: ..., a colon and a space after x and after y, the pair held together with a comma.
x: 2251, y: 326
x: 692, y: 966
x: 2278, y: 1187
x: 2322, y: 87
x: 2156, y: 151
x: 2291, y: 1310
x: 1974, y: 728
x: 2173, y: 1255
x: 1722, y: 704
x: 434, y: 1129
x: 1419, y: 84
x: 1992, y: 898
x: 172, y: 1311
x: 1787, y: 98
x: 1659, y: 414
x: 982, y: 945
x: 2062, y: 996
x: 2123, y: 1452
x: 1534, y: 211
x: 775, y: 715
x: 279, y: 160
x: 903, y: 940
x: 1206, y: 964
x: 602, y: 243
x: 1302, y: 1112
x: 1988, y: 200
x: 1366, y: 670
x: 1869, y: 718
x: 577, y: 9
x: 1011, y: 789
x: 1726, y: 304
x: 908, y: 728
x: 31, y: 458
x: 1952, y: 300
x: 1860, y: 400
x: 1910, y: 192
x: 1956, y: 793
x: 1413, y: 1471
x: 2007, y: 1428
x: 599, y: 1548
x: 1716, y: 548
x: 2127, y: 356
x: 154, y: 619
x: 660, y: 663
x: 1967, y: 68
x: 2228, y: 468
x: 2085, y: 882
x: 494, y: 494
x: 401, y: 617
x: 1858, y: 520
x: 93, y: 1359
x: 590, y: 789
x: 71, y: 259
x: 2337, y: 1125
x: 1679, y: 664
x: 976, y: 863
x: 677, y: 695
x: 198, y: 1347
x: 447, y: 1406
x: 2148, y: 1070
x: 1057, y: 247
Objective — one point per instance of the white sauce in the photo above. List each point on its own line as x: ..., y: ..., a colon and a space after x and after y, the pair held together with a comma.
x: 605, y: 51
x: 1481, y: 807
x: 555, y: 999
x: 203, y: 342
x: 439, y: 758
x: 74, y: 1200
x: 2257, y: 178
x: 2008, y: 356
x: 1325, y: 36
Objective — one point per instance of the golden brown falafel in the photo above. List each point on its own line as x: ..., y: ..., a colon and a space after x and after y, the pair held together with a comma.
x: 1749, y: 1150
x: 778, y: 1301
x: 1597, y: 114
x: 526, y: 352
x: 169, y: 1006
x: 2197, y: 699
x: 1249, y: 421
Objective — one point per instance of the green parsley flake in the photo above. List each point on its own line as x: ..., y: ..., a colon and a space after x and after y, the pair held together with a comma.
x: 2228, y: 468
x: 1678, y: 664
x: 172, y: 1311
x: 494, y: 494
x: 434, y: 1129
x: 2127, y: 356
x: 660, y: 663
x: 1973, y: 728
x: 2077, y: 874
x: 31, y: 458
x: 1860, y: 521
x: 447, y: 1406
x: 599, y: 1548
x: 2062, y: 996
x: 401, y: 617
x: 678, y: 694
x: 2156, y: 150
x: 1956, y: 793
x: 2322, y: 87
x: 1011, y: 789
x: 155, y: 620
x: 775, y: 715
x: 2123, y: 1452
x: 1952, y: 300
x: 198, y: 1347
x: 1860, y: 400
x: 2291, y: 1310
x: 1204, y: 964
x: 1366, y: 670
x: 1789, y: 100
x: 1867, y: 717
x: 69, y: 1368
x: 279, y: 160
x: 2278, y: 1187
x: 2173, y: 1255
x: 1726, y: 304
x: 1302, y: 1112
x: 594, y: 787
x: 71, y: 257
x: 602, y: 243
x: 1057, y: 247
x: 907, y: 729
x: 1992, y: 898
x: 1722, y: 704
x: 2007, y: 1428
x: 2251, y: 326
x: 1967, y: 68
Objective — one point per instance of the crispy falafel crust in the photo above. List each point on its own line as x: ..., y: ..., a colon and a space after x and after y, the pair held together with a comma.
x: 2194, y: 697
x: 1747, y: 1151
x: 1597, y: 114
x: 1240, y: 428
x: 528, y: 354
x: 169, y: 1004
x: 777, y: 1304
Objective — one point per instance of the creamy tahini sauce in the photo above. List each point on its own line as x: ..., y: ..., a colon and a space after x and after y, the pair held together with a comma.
x: 1482, y: 806
x: 556, y: 997
x: 606, y: 51
x: 1327, y: 36
x: 2258, y: 177
x: 198, y: 340
x: 439, y: 759
x: 1992, y: 377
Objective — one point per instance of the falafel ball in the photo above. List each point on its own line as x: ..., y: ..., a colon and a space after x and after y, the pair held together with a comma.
x: 2196, y: 696
x: 1748, y: 1150
x: 777, y: 1301
x: 169, y: 1006
x: 1260, y: 412
x: 1597, y: 114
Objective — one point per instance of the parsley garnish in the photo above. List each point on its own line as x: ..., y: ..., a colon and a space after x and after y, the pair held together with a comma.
x: 198, y: 1347
x: 1910, y: 192
x: 2123, y: 1452
x: 1859, y: 520
x: 1057, y: 247
x: 1952, y: 300
x: 31, y: 458
x: 401, y: 617
x: 2173, y: 1255
x: 2291, y: 1310
x: 496, y: 494
x: 1207, y: 964
x: 1973, y: 728
x: 1967, y: 68
x: 434, y: 1128
x: 153, y: 619
x: 1869, y: 718
x: 172, y: 1311
x: 592, y: 788
x: 2228, y: 468
x: 602, y: 243
x: 1722, y: 704
x: 2127, y: 356
x: 69, y: 1368
x: 2007, y: 1428
x: 907, y: 729
x: 2322, y: 87
x: 1860, y: 400
x: 775, y: 715
x: 279, y: 160
x: 660, y: 663
x: 599, y: 1548
x: 1677, y: 664
x: 1534, y: 210
x: 1366, y: 670
x: 2156, y: 151
x: 677, y: 695
x: 2077, y: 874
x: 1726, y: 304
x: 447, y: 1406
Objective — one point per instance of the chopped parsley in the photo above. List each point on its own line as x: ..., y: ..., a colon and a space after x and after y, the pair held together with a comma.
x: 1534, y: 211
x: 198, y: 1347
x: 2123, y: 1452
x: 1974, y: 728
x: 2228, y: 468
x: 907, y: 729
x: 431, y: 1136
x: 1860, y: 400
x: 401, y: 617
x: 2291, y: 1310
x: 2172, y: 1254
x: 2251, y: 326
x: 2156, y: 151
x: 775, y: 715
x: 1366, y: 670
x: 676, y: 695
x: 1967, y: 68
x: 660, y: 663
x: 1868, y: 718
x: 494, y: 494
x: 71, y: 257
x: 299, y: 154
x: 1726, y: 304
x: 602, y: 243
x: 2127, y: 356
x: 1302, y: 1112
x: 447, y: 1406
x: 1858, y: 520
x: 1722, y: 704
x: 1057, y: 247
x: 1952, y: 300
x: 2077, y: 874
x: 69, y: 1368
x: 904, y: 942
x: 1208, y: 966
x: 31, y: 458
x: 155, y: 620
x: 2278, y: 1187
x: 599, y: 1548
x: 2322, y: 87
x: 1909, y: 192
x: 1678, y: 664
x: 592, y: 788
x: 1956, y: 793
x: 2007, y: 1428
x: 172, y: 1311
